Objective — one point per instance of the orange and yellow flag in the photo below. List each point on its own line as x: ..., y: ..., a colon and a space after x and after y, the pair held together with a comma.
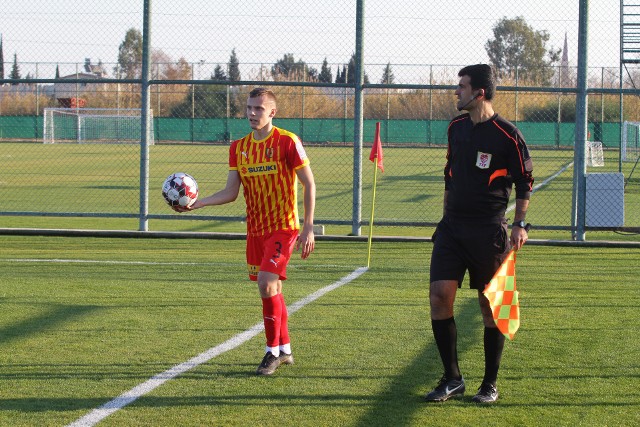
x: 503, y: 297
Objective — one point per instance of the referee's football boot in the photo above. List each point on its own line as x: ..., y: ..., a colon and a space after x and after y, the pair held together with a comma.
x: 446, y: 389
x: 487, y: 393
x: 269, y: 364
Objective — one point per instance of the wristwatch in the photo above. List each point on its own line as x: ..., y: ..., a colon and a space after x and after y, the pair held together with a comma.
x: 520, y: 224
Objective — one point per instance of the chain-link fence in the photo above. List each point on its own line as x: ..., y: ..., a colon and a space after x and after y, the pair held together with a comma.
x: 62, y: 62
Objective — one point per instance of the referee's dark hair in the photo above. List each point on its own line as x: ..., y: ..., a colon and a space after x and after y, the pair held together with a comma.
x: 481, y: 77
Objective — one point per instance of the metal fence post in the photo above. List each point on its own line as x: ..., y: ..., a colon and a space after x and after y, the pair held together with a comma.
x: 145, y: 122
x: 579, y: 165
x: 357, y: 121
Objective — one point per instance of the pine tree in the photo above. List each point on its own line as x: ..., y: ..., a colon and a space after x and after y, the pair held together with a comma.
x: 234, y: 67
x: 387, y: 75
x: 218, y: 73
x: 340, y: 76
x: 325, y: 75
x: 15, y: 70
x: 351, y: 71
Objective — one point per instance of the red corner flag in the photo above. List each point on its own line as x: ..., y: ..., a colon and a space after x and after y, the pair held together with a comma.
x: 503, y: 297
x: 376, y: 149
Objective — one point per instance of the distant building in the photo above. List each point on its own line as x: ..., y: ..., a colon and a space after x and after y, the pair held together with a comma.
x: 566, y: 79
x: 69, y: 95
x: 97, y: 69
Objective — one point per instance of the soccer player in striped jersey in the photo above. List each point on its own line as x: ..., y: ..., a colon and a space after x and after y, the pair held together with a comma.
x: 268, y: 162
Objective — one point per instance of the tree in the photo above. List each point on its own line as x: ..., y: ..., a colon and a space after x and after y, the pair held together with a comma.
x: 209, y: 101
x: 288, y: 68
x: 517, y: 46
x: 312, y: 74
x: 325, y: 75
x: 340, y: 76
x: 351, y: 71
x: 164, y: 67
x: 387, y: 75
x: 57, y: 72
x: 234, y: 67
x: 15, y: 70
x: 218, y: 73
x: 181, y: 70
x: 130, y: 55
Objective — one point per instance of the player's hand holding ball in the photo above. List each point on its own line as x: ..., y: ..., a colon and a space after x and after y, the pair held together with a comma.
x: 180, y: 191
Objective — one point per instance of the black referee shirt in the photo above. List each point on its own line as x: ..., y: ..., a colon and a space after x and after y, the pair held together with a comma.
x: 484, y: 161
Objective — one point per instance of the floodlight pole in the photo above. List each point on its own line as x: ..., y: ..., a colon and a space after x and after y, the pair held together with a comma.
x: 145, y: 122
x: 578, y: 217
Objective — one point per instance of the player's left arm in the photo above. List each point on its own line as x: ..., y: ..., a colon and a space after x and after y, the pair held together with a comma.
x: 521, y: 169
x: 306, y: 239
x: 519, y: 235
x: 227, y: 195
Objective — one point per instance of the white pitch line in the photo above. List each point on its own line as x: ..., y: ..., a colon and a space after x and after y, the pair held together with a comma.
x: 543, y: 183
x: 113, y: 262
x: 98, y: 414
x: 98, y: 261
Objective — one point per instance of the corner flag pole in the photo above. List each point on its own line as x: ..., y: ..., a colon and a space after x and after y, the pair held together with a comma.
x: 373, y: 204
x: 376, y: 157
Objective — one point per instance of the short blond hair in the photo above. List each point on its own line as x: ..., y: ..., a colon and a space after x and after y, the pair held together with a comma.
x: 261, y: 91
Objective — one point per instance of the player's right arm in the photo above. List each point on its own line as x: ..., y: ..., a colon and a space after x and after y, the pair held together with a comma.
x: 228, y: 194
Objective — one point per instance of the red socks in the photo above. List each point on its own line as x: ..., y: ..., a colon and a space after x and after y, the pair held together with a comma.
x: 275, y: 316
x: 284, y: 327
x: 272, y: 315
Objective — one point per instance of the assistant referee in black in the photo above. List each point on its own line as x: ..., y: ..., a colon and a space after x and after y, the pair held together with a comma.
x: 486, y: 157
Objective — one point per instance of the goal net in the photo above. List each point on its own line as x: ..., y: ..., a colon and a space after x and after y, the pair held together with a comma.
x: 94, y: 126
x: 630, y: 146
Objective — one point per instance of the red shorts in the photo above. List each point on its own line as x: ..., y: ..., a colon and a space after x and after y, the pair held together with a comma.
x: 270, y: 252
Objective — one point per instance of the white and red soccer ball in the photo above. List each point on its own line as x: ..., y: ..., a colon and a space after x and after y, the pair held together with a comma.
x: 180, y: 189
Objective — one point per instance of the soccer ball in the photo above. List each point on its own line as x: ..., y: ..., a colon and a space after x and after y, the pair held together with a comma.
x: 180, y: 189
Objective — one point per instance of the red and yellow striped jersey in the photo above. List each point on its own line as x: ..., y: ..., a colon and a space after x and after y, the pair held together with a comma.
x: 267, y: 171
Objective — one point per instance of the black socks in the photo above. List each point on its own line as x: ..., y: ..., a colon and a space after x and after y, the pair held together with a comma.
x: 446, y: 336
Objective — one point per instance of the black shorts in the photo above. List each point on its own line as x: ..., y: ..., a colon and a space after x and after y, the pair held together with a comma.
x: 463, y: 245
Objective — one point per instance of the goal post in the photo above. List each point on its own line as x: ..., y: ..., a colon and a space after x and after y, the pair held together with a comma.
x: 94, y: 126
x: 630, y: 144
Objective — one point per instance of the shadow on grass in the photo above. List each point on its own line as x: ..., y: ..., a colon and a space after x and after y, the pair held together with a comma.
x: 57, y: 315
x: 405, y: 393
x: 35, y: 405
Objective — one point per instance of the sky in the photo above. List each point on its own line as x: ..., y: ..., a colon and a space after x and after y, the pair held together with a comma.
x: 409, y: 34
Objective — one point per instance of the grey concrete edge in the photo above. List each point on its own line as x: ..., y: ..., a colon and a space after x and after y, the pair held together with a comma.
x: 242, y: 236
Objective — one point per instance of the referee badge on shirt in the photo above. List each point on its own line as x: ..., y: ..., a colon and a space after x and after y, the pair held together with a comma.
x: 484, y: 160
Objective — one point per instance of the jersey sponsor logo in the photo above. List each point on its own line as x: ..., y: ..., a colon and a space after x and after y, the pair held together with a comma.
x: 253, y: 269
x: 268, y: 168
x: 483, y: 161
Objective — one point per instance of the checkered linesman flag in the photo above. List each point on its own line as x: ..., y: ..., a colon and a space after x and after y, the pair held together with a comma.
x: 503, y: 297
